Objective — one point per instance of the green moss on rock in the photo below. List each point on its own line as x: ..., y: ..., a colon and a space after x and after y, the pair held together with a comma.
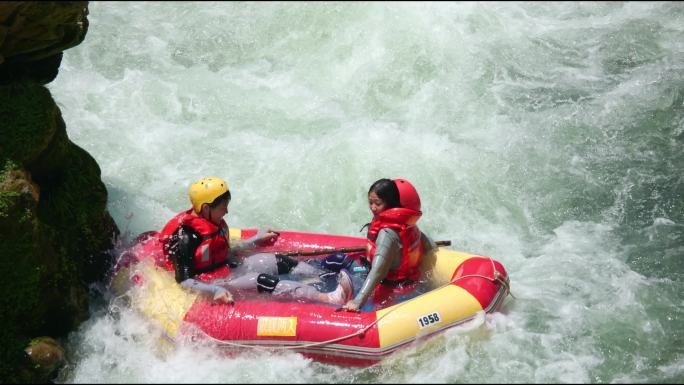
x: 54, y: 225
x: 54, y: 220
x: 29, y: 111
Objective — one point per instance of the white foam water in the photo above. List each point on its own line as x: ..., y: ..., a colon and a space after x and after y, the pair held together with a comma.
x: 546, y: 135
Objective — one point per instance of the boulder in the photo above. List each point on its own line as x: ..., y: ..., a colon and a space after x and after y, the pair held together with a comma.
x: 33, y: 36
x: 55, y: 230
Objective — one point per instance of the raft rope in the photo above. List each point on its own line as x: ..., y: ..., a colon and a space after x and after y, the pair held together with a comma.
x: 496, y: 278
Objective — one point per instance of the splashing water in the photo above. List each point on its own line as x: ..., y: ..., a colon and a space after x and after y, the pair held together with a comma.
x: 546, y: 135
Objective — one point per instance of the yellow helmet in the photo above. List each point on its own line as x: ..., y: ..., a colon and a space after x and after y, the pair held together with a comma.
x: 206, y: 190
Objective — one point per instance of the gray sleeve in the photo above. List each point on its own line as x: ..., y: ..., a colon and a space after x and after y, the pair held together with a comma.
x: 387, y: 256
x: 201, y: 287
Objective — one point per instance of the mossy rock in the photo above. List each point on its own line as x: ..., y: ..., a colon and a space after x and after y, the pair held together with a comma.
x: 29, y: 126
x: 55, y: 230
x: 45, y: 354
x: 54, y: 225
x: 33, y: 36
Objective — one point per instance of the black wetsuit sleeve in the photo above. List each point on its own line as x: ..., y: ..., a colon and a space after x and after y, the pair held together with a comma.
x: 188, y: 241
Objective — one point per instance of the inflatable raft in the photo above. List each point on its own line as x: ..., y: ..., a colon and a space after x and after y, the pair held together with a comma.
x: 457, y: 288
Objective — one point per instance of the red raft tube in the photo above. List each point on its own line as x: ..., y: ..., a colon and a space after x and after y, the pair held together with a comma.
x: 458, y: 286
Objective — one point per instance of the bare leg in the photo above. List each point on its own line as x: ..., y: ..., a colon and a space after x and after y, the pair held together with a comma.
x: 243, y: 282
x: 283, y: 288
x: 297, y: 290
x: 268, y: 263
x: 257, y: 263
x: 289, y: 289
x: 304, y: 268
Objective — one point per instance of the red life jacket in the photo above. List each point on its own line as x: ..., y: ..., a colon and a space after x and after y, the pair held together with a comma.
x: 212, y: 253
x: 402, y: 220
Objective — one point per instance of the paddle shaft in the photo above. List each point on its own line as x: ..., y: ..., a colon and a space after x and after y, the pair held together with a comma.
x: 341, y: 250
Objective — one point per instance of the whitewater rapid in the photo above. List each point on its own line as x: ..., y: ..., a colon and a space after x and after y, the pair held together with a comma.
x: 546, y: 135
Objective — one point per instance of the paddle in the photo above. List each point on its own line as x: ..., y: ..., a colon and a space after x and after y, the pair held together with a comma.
x: 340, y: 250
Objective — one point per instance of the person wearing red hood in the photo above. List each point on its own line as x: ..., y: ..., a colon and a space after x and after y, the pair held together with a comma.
x: 396, y: 243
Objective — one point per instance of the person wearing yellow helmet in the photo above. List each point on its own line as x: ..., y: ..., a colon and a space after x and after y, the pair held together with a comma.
x: 209, y: 191
x: 197, y: 243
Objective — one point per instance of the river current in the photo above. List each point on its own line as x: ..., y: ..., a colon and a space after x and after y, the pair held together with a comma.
x: 547, y: 135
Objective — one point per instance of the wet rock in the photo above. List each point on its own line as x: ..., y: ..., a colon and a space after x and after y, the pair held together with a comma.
x: 55, y: 230
x: 33, y: 36
x: 46, y: 356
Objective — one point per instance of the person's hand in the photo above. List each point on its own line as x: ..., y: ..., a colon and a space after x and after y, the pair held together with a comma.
x: 223, y: 296
x: 266, y: 236
x: 351, y: 306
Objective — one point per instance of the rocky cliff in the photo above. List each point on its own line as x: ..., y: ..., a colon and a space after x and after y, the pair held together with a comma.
x: 55, y: 231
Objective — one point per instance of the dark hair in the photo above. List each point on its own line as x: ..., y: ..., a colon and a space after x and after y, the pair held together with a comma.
x: 219, y: 199
x: 386, y: 190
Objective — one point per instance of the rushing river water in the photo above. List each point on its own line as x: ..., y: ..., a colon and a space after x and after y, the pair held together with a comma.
x: 547, y: 135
